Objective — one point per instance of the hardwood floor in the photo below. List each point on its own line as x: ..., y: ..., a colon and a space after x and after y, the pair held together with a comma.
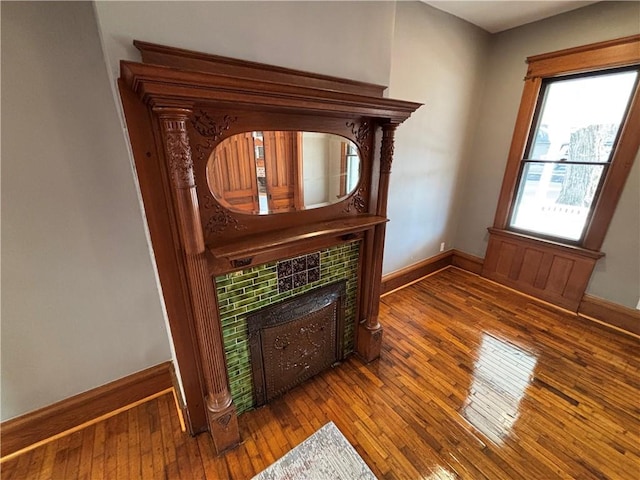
x: 474, y: 382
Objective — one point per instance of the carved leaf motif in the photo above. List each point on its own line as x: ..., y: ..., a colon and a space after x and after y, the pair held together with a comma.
x: 180, y: 161
x: 208, y: 127
x: 209, y: 202
x: 220, y: 221
x: 357, y: 202
x: 386, y: 150
x: 361, y: 133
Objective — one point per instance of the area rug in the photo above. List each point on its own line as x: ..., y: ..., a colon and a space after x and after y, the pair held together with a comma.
x: 325, y: 455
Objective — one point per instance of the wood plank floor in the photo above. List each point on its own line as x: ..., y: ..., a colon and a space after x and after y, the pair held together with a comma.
x: 474, y: 382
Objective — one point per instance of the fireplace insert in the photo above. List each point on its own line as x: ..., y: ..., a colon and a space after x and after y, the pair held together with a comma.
x: 295, y: 339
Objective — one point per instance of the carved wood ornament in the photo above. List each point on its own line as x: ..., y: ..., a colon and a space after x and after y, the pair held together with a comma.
x: 179, y: 105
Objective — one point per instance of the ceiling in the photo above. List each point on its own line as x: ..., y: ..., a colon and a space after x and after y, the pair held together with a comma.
x: 496, y: 16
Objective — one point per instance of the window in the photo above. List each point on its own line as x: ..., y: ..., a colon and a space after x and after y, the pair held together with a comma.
x: 569, y: 152
x: 574, y: 142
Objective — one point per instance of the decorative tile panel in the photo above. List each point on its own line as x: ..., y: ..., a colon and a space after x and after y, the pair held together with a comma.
x: 296, y: 269
x: 254, y: 288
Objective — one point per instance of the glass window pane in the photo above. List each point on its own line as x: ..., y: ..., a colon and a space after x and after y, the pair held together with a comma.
x: 580, y: 117
x: 555, y: 198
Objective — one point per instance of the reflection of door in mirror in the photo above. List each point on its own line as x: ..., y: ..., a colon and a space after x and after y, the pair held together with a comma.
x: 264, y: 172
x: 234, y: 175
x: 282, y: 153
x: 348, y: 168
x: 257, y: 172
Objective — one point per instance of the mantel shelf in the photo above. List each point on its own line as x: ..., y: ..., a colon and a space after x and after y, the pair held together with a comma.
x: 262, y: 243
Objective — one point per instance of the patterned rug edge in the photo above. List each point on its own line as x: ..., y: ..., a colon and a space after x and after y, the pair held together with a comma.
x: 326, y: 454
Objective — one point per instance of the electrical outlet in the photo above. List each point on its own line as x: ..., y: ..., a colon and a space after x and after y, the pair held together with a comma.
x: 442, y: 247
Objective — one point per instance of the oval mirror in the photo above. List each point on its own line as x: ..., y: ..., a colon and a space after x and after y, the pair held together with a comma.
x: 282, y: 171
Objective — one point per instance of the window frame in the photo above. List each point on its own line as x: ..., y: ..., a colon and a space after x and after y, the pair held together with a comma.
x: 588, y: 59
x: 527, y: 158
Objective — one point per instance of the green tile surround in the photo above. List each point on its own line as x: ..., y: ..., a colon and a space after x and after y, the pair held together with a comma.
x: 240, y: 293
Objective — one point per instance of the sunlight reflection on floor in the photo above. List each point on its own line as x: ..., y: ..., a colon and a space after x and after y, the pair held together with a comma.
x: 441, y: 473
x: 501, y: 375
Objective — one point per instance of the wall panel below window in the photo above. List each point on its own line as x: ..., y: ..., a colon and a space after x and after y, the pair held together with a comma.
x: 555, y: 273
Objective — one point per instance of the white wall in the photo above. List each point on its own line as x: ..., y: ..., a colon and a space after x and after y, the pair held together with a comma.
x: 437, y: 60
x: 618, y: 277
x: 80, y: 306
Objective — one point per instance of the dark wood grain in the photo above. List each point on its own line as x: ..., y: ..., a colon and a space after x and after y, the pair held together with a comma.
x: 288, y: 237
x: 474, y: 381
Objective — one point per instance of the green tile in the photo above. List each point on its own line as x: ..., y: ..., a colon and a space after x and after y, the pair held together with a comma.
x: 250, y: 290
x: 241, y: 283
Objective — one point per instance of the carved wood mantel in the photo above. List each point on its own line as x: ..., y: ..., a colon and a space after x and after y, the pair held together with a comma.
x: 178, y: 106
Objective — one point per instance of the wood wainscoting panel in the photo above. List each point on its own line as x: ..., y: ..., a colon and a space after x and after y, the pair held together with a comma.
x: 38, y: 426
x: 507, y: 260
x: 552, y: 272
x: 558, y: 274
x: 530, y: 266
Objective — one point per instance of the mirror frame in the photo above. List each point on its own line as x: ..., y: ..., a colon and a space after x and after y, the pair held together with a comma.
x: 209, y: 127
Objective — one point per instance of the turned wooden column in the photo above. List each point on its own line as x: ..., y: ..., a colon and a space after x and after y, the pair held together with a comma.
x: 370, y: 331
x: 221, y: 413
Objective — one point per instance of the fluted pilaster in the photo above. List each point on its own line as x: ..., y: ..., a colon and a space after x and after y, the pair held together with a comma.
x: 221, y: 413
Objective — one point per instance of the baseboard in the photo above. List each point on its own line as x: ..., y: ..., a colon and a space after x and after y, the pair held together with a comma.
x: 609, y: 313
x: 467, y: 262
x: 40, y: 425
x: 592, y: 308
x: 405, y: 276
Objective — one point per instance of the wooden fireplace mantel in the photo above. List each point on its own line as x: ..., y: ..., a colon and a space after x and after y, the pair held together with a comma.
x: 254, y: 250
x: 179, y: 105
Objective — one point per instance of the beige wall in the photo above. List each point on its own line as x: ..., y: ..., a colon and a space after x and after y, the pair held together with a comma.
x: 618, y: 277
x: 344, y: 39
x: 437, y: 59
x: 80, y: 305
